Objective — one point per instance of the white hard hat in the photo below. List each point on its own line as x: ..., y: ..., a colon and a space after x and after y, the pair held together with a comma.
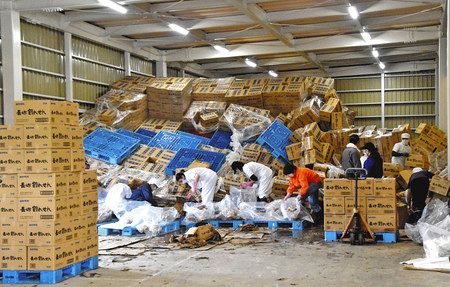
x: 417, y: 169
x: 406, y: 136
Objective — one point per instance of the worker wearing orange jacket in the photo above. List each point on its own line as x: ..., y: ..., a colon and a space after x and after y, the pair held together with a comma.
x: 308, y: 183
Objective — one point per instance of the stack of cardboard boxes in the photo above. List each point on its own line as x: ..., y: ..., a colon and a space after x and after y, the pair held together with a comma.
x: 157, y: 125
x: 150, y: 159
x: 376, y: 203
x: 246, y: 92
x: 284, y: 94
x: 48, y: 202
x: 211, y: 89
x: 135, y: 84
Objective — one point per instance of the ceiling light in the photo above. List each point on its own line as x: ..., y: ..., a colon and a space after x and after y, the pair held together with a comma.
x: 221, y: 49
x: 273, y: 74
x: 366, y: 36
x: 178, y: 29
x: 381, y: 65
x: 353, y: 12
x: 375, y: 53
x: 113, y: 5
x: 250, y: 63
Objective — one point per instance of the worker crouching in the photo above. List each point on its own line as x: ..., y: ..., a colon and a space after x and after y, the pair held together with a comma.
x: 257, y: 174
x: 203, y: 183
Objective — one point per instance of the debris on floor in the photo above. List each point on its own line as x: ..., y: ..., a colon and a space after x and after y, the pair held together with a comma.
x: 197, y: 237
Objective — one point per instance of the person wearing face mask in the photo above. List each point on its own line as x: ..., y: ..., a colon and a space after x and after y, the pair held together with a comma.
x: 374, y: 163
x: 401, y: 150
x: 307, y: 182
x: 203, y: 183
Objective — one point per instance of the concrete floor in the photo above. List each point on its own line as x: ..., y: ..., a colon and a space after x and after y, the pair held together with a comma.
x: 281, y: 261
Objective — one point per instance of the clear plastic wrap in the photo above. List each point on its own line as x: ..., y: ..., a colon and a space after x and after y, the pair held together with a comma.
x: 293, y: 210
x: 239, y: 195
x: 197, y: 212
x: 438, y: 161
x: 199, y: 108
x: 335, y: 172
x: 104, y: 213
x: 436, y: 238
x: 273, y: 210
x: 253, y: 210
x: 105, y: 171
x: 226, y: 209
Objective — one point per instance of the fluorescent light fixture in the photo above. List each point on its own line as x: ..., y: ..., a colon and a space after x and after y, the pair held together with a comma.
x: 178, y: 29
x: 250, y: 63
x: 113, y: 5
x: 353, y: 12
x: 366, y: 36
x: 221, y: 49
x: 273, y: 73
x: 375, y: 53
x: 381, y: 65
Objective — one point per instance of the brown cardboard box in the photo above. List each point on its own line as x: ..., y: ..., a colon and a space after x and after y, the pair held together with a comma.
x: 78, y: 159
x: 13, y: 257
x: 51, y: 257
x: 89, y: 203
x: 79, y: 227
x: 381, y: 205
x: 41, y: 233
x: 47, y: 136
x: 45, y: 209
x: 91, y: 246
x: 8, y: 185
x: 11, y: 161
x: 8, y: 210
x: 13, y: 233
x: 46, y: 160
x: 74, y: 203
x: 350, y: 205
x: 415, y: 160
x: 294, y: 151
x: 72, y: 113
x: 11, y: 137
x: 338, y: 187
x: 423, y: 128
x: 365, y: 187
x: 76, y: 134
x: 91, y: 224
x: 313, y: 129
x: 333, y: 105
x: 80, y: 249
x: 42, y: 185
x: 280, y: 185
x: 89, y: 181
x: 334, y: 205
x: 334, y: 222
x: 384, y: 187
x: 338, y: 121
x: 73, y: 183
x: 310, y: 143
x: 382, y: 223
x: 327, y: 152
x: 39, y: 112
x: 439, y: 185
x: 209, y: 119
x: 391, y: 169
x: 313, y: 156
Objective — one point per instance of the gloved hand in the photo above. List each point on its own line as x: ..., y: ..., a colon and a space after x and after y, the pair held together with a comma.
x: 287, y: 196
x: 406, y: 154
x: 247, y: 184
x: 299, y: 198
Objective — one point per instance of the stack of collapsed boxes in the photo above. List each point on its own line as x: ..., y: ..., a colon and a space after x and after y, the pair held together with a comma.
x: 376, y: 203
x: 211, y: 89
x: 282, y: 95
x: 150, y: 159
x: 246, y: 92
x: 48, y: 202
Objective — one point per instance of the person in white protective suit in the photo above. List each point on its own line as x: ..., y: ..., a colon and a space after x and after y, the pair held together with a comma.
x: 203, y: 182
x: 258, y: 174
x: 401, y: 150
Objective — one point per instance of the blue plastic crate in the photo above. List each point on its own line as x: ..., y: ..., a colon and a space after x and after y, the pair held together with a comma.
x: 142, y: 138
x: 174, y: 142
x: 132, y: 231
x: 186, y: 156
x: 109, y: 146
x: 380, y: 237
x: 221, y: 139
x: 148, y: 133
x: 200, y: 138
x: 275, y: 139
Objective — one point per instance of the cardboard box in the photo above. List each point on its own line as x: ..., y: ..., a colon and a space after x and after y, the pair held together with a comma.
x: 42, y: 185
x: 41, y: 233
x: 313, y: 156
x: 8, y: 210
x: 439, y: 185
x: 46, y: 160
x: 8, y: 185
x: 384, y: 187
x: 350, y: 205
x: 280, y: 185
x: 11, y: 137
x: 333, y: 105
x: 76, y: 135
x: 74, y: 203
x: 415, y: 160
x: 313, y: 129
x: 89, y: 181
x: 338, y: 121
x: 365, y: 187
x: 80, y: 249
x: 334, y: 222
x: 391, y: 169
x: 209, y: 119
x: 381, y: 205
x: 423, y: 128
x: 47, y: 136
x: 11, y: 161
x: 78, y: 159
x: 91, y: 246
x: 327, y: 152
x: 13, y: 257
x: 382, y: 223
x: 42, y: 209
x: 294, y: 151
x: 79, y: 227
x: 39, y: 112
x: 72, y: 113
x: 73, y: 183
x: 91, y: 224
x: 89, y: 203
x: 334, y: 205
x: 338, y: 187
x: 51, y: 257
x: 13, y: 233
x: 310, y: 143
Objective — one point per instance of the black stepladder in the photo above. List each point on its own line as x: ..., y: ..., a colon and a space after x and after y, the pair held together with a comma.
x: 357, y: 231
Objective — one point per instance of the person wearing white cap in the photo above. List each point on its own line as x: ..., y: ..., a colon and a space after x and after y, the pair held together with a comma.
x: 401, y: 150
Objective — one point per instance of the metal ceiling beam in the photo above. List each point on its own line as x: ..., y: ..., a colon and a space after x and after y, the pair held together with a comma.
x: 264, y: 62
x: 27, y: 5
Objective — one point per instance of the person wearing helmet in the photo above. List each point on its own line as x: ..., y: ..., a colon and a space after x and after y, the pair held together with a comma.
x: 351, y: 155
x: 401, y: 150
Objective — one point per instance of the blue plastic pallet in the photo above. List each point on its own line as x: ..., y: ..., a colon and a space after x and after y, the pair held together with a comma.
x: 221, y: 139
x: 146, y: 133
x: 203, y: 140
x: 380, y: 237
x: 186, y: 156
x: 225, y: 223
x: 173, y: 142
x: 275, y: 139
x: 142, y: 138
x: 47, y: 276
x: 131, y: 231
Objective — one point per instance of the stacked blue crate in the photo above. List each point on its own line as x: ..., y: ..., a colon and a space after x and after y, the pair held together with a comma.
x: 186, y: 156
x: 147, y: 133
x: 221, y: 139
x: 200, y: 138
x: 174, y: 142
x: 143, y: 139
x: 275, y: 139
x: 109, y: 146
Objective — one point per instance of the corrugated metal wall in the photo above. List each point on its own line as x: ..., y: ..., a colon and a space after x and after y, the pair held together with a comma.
x: 141, y: 66
x: 173, y: 72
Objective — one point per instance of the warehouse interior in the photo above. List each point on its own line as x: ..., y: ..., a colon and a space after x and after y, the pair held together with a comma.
x: 377, y: 67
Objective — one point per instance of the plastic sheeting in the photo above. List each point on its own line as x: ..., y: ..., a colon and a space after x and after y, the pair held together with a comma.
x: 276, y: 210
x: 226, y: 209
x: 438, y: 161
x: 204, y: 107
x: 239, y: 195
x: 197, y: 212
